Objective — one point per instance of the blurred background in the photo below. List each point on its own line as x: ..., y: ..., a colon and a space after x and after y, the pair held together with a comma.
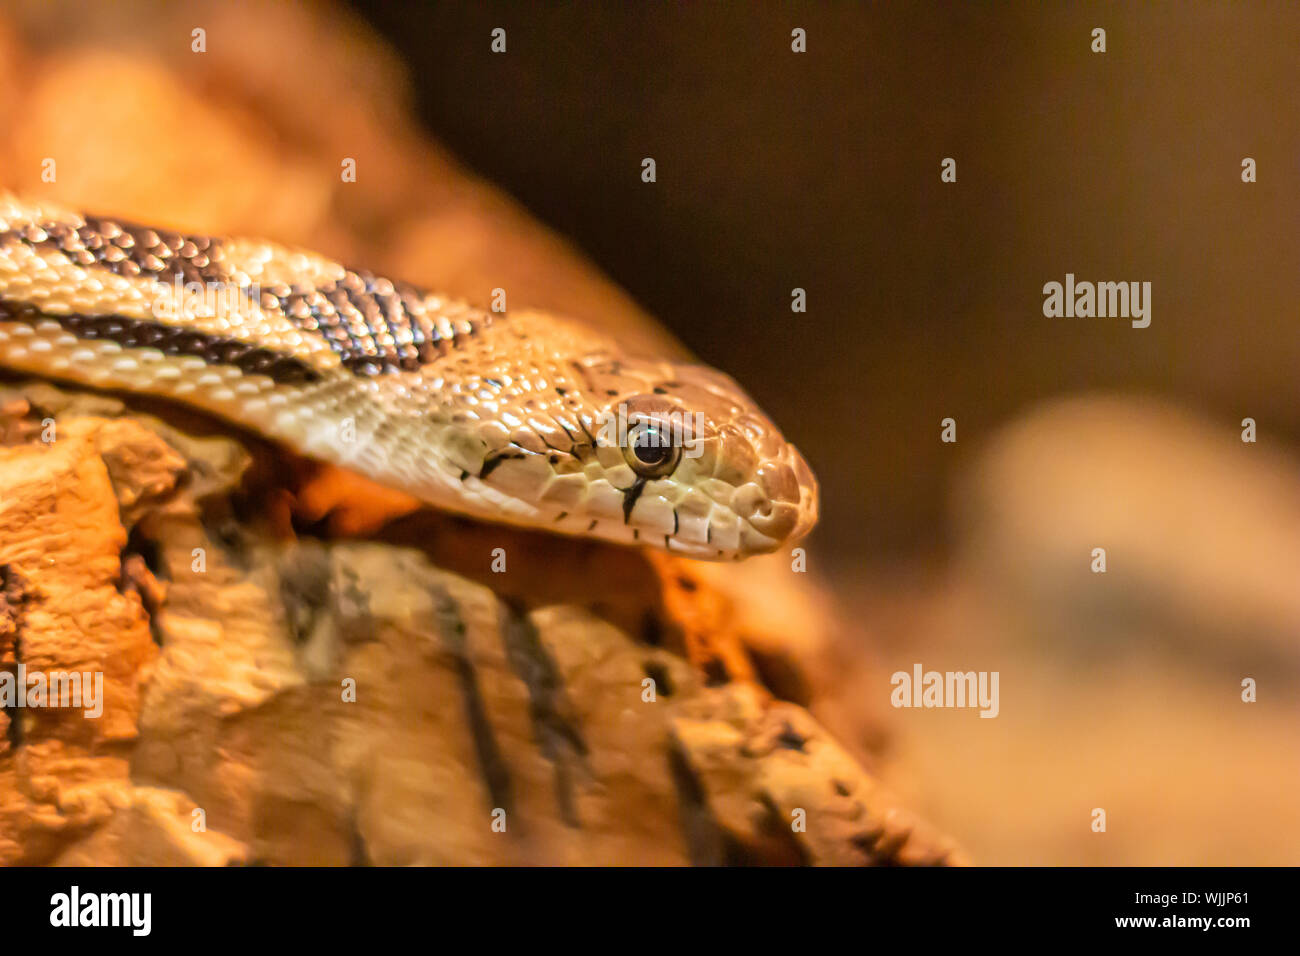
x: 821, y: 171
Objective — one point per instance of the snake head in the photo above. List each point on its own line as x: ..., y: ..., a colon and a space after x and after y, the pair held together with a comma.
x: 709, y: 471
x: 647, y: 452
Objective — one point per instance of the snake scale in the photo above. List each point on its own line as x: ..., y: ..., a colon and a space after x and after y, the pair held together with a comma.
x: 525, y: 418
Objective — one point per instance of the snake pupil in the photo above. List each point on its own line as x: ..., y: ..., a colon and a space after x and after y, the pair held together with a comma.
x: 650, y: 451
x: 648, y: 448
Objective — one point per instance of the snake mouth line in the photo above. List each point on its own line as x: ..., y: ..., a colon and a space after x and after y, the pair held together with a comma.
x: 682, y: 519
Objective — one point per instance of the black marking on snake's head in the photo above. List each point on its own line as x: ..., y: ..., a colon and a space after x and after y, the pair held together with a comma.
x: 630, y: 495
x: 491, y: 462
x: 573, y: 439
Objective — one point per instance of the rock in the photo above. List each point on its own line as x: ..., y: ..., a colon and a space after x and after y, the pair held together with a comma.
x: 1197, y: 526
x: 779, y: 788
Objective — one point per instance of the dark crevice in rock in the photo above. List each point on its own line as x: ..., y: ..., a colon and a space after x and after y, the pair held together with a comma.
x: 13, y: 598
x: 715, y: 673
x: 305, y: 573
x: 556, y: 730
x: 652, y: 629
x: 707, y: 842
x: 659, y: 674
x: 224, y: 530
x: 782, y: 676
x: 137, y: 542
x: 358, y: 851
x: 140, y: 569
x: 778, y: 828
x: 452, y: 634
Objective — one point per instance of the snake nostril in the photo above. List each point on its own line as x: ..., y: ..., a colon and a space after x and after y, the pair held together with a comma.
x: 775, y: 520
x: 750, y: 501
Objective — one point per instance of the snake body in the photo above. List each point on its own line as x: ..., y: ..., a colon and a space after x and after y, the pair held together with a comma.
x: 525, y: 418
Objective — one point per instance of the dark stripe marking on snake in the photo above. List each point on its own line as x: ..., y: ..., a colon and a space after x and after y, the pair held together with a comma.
x: 361, y: 316
x: 172, y: 340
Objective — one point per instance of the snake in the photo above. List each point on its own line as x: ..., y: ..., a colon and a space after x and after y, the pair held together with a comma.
x: 520, y: 417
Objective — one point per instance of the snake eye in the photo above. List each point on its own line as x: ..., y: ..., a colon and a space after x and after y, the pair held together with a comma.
x: 650, y: 450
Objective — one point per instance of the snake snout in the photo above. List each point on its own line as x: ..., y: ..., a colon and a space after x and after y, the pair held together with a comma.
x: 782, y: 504
x: 800, y: 508
x: 809, y: 495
